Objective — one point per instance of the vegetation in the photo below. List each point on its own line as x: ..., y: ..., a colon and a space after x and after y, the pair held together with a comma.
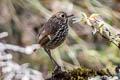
x: 93, y: 41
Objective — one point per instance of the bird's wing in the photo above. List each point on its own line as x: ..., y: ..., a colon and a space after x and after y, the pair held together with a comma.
x: 48, y: 30
x: 45, y: 33
x: 42, y: 35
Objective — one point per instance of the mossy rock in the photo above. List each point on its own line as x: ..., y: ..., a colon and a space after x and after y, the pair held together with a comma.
x: 78, y: 74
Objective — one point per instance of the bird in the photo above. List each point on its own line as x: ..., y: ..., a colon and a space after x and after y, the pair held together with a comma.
x: 53, y: 33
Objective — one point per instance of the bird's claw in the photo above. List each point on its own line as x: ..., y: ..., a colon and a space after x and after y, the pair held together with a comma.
x: 57, y: 69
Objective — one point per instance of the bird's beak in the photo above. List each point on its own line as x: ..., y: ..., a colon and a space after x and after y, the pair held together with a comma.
x: 70, y: 15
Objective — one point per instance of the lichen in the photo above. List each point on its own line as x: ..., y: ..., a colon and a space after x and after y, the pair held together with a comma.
x: 81, y: 73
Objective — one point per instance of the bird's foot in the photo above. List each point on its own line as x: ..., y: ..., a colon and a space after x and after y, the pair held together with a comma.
x: 58, y: 73
x: 57, y: 69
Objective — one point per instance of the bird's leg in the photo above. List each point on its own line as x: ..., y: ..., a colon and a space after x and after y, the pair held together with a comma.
x: 57, y: 68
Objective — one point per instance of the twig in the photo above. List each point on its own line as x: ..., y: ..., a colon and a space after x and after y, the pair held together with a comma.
x: 26, y: 50
x: 3, y: 34
x: 99, y: 26
x: 11, y: 70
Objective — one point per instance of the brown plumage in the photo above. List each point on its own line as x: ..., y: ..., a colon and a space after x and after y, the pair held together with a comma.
x: 54, y: 32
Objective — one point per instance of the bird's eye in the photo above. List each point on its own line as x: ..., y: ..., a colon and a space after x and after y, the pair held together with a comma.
x: 63, y: 15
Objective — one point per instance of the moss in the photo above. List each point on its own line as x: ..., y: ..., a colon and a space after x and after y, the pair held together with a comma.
x: 78, y: 74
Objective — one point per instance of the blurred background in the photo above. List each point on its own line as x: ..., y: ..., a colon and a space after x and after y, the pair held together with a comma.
x: 23, y: 18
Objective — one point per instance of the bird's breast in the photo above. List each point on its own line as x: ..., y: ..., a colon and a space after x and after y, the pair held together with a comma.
x: 58, y: 38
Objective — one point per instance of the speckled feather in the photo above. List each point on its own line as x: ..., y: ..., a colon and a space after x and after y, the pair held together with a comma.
x: 56, y: 28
